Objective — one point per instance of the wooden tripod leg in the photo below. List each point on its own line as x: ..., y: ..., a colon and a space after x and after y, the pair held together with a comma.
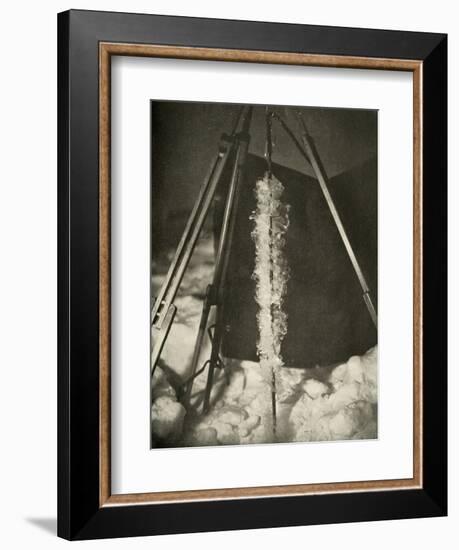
x: 224, y: 250
x: 214, y: 359
x: 163, y: 308
x: 199, y: 341
x: 319, y: 171
x: 161, y: 336
x: 161, y: 320
x: 310, y: 154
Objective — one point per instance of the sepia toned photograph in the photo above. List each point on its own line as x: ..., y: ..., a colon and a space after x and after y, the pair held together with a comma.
x: 264, y: 279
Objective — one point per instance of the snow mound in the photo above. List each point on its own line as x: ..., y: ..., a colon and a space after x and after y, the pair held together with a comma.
x: 167, y: 418
x: 341, y: 406
x: 314, y: 388
x: 167, y: 414
x: 347, y: 411
x: 320, y: 404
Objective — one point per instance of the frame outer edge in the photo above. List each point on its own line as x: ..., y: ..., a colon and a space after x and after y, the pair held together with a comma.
x: 434, y: 160
x: 63, y: 234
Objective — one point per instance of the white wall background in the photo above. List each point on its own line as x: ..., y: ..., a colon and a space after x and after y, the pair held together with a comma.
x: 28, y: 269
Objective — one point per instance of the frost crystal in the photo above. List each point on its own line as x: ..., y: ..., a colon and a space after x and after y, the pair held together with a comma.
x: 271, y: 272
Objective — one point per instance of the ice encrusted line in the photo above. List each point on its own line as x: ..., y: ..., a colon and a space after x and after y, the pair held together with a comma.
x: 271, y: 273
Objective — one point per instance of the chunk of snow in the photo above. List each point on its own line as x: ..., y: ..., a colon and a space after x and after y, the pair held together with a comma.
x: 167, y: 416
x: 314, y: 388
x: 249, y: 425
x: 204, y: 437
x: 160, y: 385
x: 237, y: 381
x: 232, y: 415
x: 226, y: 435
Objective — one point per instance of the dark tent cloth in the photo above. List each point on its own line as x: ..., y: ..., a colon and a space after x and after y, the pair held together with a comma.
x: 327, y: 318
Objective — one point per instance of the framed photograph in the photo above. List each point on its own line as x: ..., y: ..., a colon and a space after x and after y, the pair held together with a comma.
x: 252, y: 274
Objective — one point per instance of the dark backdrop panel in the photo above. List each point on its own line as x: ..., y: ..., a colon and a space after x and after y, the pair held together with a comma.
x: 185, y: 137
x: 327, y: 318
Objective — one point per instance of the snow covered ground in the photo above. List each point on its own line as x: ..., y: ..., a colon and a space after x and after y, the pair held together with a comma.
x: 320, y: 404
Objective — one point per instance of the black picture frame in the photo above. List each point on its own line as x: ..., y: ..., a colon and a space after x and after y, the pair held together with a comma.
x: 80, y: 515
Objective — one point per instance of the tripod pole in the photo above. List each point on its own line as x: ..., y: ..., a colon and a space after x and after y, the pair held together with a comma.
x: 319, y: 171
x: 309, y: 152
x: 208, y: 302
x: 164, y: 310
x: 224, y: 249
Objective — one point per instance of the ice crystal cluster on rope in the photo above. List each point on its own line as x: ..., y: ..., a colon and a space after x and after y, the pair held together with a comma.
x: 271, y: 221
